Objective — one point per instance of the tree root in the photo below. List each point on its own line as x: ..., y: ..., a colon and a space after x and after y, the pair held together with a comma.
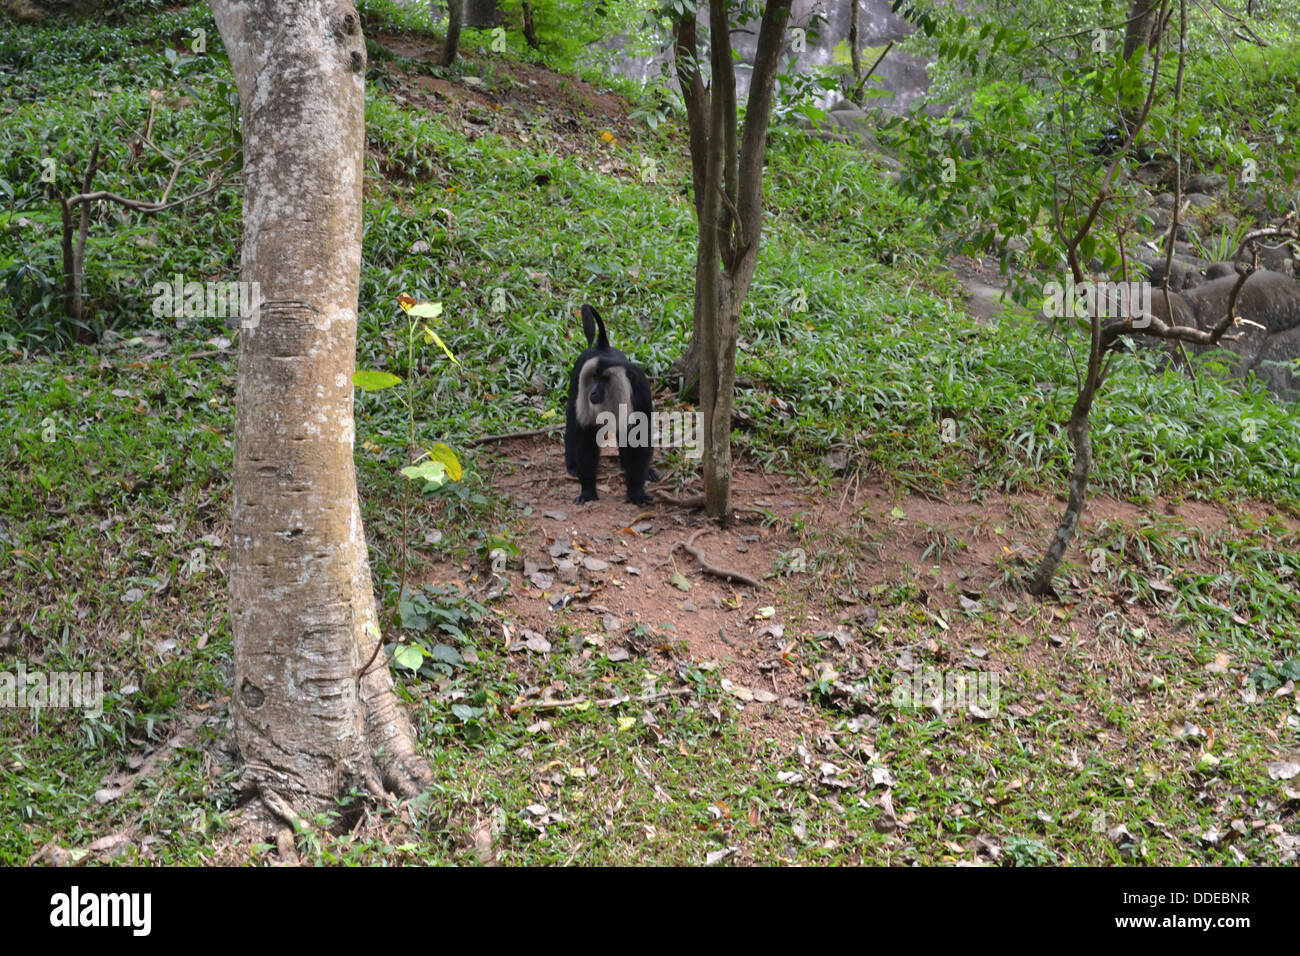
x: 727, y: 574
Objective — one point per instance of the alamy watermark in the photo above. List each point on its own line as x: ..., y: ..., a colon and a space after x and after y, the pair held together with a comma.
x: 207, y: 300
x: 658, y: 430
x: 1106, y: 300
x: 62, y: 689
x: 949, y: 691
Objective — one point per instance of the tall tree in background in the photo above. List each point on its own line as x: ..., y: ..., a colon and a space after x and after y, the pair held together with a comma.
x: 303, y: 608
x: 1142, y: 32
x: 727, y: 176
x: 451, y: 44
x: 855, y: 48
x: 1142, y: 22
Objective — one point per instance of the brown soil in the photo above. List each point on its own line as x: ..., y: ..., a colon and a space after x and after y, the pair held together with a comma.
x: 860, y: 541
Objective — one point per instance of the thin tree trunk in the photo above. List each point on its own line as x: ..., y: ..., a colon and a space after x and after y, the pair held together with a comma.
x: 451, y: 45
x: 696, y: 98
x: 854, y: 50
x: 530, y: 30
x: 74, y: 257
x: 729, y: 207
x: 303, y: 607
x: 1142, y: 30
x: 1079, y: 427
x: 1080, y: 433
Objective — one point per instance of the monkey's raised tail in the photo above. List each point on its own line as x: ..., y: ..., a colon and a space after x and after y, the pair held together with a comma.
x: 591, y: 320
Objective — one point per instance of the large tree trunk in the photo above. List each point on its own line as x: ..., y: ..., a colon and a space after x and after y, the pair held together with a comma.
x: 1142, y: 31
x: 302, y: 602
x: 1140, y: 26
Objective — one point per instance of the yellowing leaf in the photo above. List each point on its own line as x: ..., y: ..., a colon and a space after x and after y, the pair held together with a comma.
x: 447, y: 458
x: 443, y: 346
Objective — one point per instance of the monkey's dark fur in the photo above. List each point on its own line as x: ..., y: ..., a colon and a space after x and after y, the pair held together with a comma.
x: 602, y: 380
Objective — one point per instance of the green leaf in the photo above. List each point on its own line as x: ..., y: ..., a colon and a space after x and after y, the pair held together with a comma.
x: 426, y: 310
x: 372, y: 381
x: 679, y: 581
x: 410, y: 656
x: 433, y: 472
x: 447, y: 654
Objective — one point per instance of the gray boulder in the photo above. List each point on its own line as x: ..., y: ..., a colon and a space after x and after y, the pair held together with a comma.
x: 1207, y: 183
x: 1267, y: 344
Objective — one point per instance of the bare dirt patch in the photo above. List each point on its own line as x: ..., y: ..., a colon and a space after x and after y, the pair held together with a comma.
x: 857, y: 576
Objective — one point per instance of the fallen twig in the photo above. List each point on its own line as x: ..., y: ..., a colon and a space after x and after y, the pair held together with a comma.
x: 484, y: 439
x: 607, y: 702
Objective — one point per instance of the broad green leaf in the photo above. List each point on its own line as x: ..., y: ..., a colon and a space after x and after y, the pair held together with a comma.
x: 426, y: 310
x: 447, y: 654
x: 466, y: 712
x: 373, y: 381
x: 409, y: 656
x: 431, y: 471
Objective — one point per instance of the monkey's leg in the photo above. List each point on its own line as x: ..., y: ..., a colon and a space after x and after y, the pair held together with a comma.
x: 572, y: 435
x: 636, y: 465
x: 588, y: 457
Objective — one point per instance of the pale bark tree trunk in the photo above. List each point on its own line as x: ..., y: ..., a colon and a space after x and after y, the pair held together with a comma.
x: 727, y: 174
x: 302, y: 602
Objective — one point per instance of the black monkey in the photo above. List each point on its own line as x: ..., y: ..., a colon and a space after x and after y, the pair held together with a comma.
x: 603, y: 380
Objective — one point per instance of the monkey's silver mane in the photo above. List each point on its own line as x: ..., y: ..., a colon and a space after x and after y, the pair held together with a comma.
x: 618, y: 391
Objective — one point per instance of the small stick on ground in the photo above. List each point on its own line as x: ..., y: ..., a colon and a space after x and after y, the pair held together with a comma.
x: 610, y: 702
x: 727, y: 574
x: 484, y: 439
